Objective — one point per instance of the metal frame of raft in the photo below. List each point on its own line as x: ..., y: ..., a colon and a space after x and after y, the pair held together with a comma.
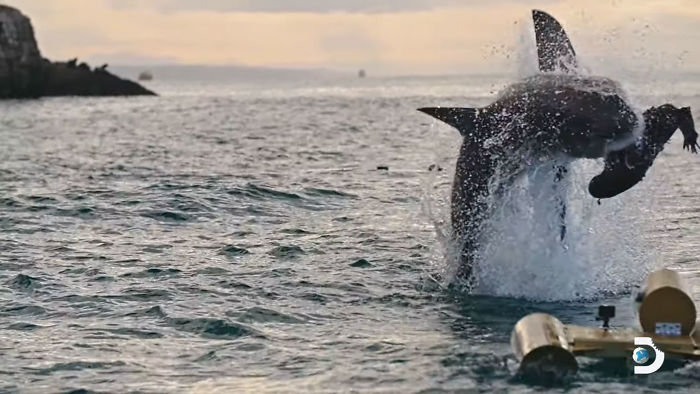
x: 547, y: 349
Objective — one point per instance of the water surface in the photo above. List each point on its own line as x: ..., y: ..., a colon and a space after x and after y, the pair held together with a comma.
x: 237, y: 236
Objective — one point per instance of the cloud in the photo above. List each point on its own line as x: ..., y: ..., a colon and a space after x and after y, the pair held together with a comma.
x: 442, y: 37
x: 120, y: 58
x: 312, y: 6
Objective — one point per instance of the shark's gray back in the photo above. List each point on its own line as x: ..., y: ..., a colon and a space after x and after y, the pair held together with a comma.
x: 552, y: 113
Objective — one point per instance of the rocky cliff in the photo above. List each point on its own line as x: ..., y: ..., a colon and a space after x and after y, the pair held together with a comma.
x: 24, y: 73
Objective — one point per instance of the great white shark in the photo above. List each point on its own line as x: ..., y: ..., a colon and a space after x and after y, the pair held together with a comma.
x: 553, y: 117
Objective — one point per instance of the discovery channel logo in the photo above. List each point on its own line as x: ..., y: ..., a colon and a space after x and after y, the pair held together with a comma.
x: 640, y: 355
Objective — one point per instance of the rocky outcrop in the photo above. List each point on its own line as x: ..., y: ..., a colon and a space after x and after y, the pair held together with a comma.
x: 24, y: 73
x: 22, y: 69
x: 69, y: 79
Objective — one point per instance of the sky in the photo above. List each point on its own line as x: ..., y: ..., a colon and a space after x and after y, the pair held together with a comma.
x: 391, y: 37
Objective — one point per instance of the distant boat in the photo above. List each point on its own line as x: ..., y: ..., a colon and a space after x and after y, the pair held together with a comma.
x: 145, y: 76
x: 361, y: 74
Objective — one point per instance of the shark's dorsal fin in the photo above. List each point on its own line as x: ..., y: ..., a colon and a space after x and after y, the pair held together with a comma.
x: 554, y: 50
x: 462, y: 119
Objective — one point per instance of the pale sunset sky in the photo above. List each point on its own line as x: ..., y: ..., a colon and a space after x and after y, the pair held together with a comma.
x: 383, y: 36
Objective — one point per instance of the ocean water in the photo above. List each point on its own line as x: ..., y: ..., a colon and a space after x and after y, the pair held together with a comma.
x: 237, y: 235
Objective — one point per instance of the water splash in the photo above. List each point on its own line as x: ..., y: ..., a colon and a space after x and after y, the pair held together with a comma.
x: 526, y: 49
x: 522, y: 254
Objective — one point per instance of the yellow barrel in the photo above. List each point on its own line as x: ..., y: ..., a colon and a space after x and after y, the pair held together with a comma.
x: 540, y: 344
x: 665, y: 299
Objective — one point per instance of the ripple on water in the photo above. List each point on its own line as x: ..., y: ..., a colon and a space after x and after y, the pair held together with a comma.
x: 154, y: 311
x: 156, y: 248
x: 295, y: 231
x: 81, y: 391
x: 233, y: 284
x: 243, y: 233
x: 189, y: 204
x: 38, y: 208
x: 132, y: 333
x: 103, y: 278
x: 311, y: 191
x: 233, y: 251
x: 213, y: 328
x: 153, y: 273
x: 79, y: 212
x: 315, y: 297
x: 10, y: 202
x: 166, y: 216
x: 385, y: 347
x: 480, y: 365
x: 79, y: 366
x: 261, y: 192
x: 23, y: 326
x: 342, y: 219
x: 263, y: 315
x: 215, y: 271
x: 22, y: 310
x: 287, y: 252
x: 41, y: 199
x: 361, y: 263
x: 24, y: 282
x: 144, y: 294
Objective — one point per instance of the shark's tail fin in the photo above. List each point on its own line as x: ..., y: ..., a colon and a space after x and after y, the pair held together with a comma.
x: 462, y: 119
x: 554, y: 50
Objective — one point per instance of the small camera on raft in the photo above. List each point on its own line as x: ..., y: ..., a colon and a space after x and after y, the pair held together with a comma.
x: 546, y: 348
x: 605, y: 313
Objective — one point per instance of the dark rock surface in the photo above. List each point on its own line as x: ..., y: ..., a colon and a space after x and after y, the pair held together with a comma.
x: 24, y: 73
x: 63, y: 80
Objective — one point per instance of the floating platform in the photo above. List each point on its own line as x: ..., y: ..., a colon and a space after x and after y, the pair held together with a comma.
x: 547, y: 349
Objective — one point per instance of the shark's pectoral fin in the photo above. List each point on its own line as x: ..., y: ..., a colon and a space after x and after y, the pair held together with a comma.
x: 462, y: 119
x: 554, y: 50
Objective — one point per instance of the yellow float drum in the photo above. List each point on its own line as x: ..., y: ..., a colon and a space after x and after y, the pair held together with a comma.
x: 665, y: 301
x: 540, y: 344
